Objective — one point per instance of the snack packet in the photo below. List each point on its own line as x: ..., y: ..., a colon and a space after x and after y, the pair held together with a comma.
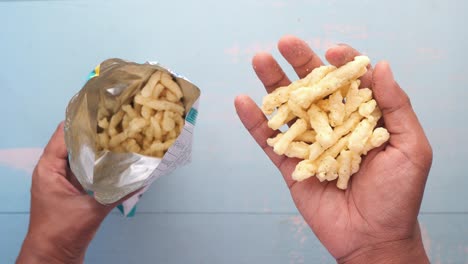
x: 129, y: 125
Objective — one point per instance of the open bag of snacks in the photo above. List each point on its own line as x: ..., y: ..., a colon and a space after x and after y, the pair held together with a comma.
x: 130, y: 124
x: 333, y: 122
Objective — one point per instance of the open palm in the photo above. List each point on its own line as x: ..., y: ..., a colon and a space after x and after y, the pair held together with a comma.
x: 380, y: 207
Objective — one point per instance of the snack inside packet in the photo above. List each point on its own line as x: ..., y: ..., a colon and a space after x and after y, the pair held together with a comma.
x: 113, y: 160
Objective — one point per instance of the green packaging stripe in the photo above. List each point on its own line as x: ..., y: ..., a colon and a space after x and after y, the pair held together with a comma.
x: 130, y: 214
x: 192, y: 116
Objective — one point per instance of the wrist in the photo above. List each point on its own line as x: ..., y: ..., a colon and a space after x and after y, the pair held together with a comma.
x: 35, y: 251
x: 401, y: 251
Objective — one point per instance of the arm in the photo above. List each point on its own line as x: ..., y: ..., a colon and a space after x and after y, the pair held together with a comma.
x: 375, y: 219
x: 63, y: 218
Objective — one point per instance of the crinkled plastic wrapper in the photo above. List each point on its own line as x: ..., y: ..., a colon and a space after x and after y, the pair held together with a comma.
x: 110, y: 176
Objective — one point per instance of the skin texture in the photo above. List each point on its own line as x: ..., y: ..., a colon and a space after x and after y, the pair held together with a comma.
x: 375, y: 219
x: 63, y: 219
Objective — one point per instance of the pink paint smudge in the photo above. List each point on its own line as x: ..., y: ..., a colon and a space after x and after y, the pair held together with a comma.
x: 20, y: 158
x: 279, y: 4
x: 458, y: 77
x: 245, y: 53
x: 296, y: 257
x: 431, y: 53
x: 352, y: 31
x: 426, y: 239
x: 319, y: 44
x: 298, y: 228
x: 234, y: 52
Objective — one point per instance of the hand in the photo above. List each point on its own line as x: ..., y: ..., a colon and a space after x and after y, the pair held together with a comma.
x: 375, y: 219
x: 63, y: 218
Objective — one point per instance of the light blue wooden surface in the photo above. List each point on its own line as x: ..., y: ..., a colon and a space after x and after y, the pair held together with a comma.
x: 230, y: 238
x: 229, y: 205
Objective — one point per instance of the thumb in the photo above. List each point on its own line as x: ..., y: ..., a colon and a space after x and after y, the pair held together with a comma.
x: 406, y: 133
x: 398, y: 115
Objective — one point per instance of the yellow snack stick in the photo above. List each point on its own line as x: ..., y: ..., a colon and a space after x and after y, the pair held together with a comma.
x: 156, y: 128
x: 353, y: 98
x: 146, y: 112
x: 359, y: 136
x: 279, y: 119
x: 367, y: 108
x: 131, y: 145
x: 355, y: 162
x: 344, y: 170
x: 103, y: 123
x: 298, y: 111
x: 379, y: 136
x: 170, y: 135
x: 308, y: 136
x: 157, y: 91
x: 304, y: 170
x: 159, y: 104
x: 115, y: 120
x: 331, y: 82
x: 125, y: 121
x: 274, y: 99
x: 161, y: 146
x: 281, y: 95
x: 334, y: 150
x: 297, y: 150
x: 171, y: 97
x: 137, y: 107
x: 375, y: 115
x: 128, y: 109
x: 117, y: 139
x: 172, y: 86
x: 324, y: 104
x: 102, y: 113
x: 272, y: 141
x: 319, y: 122
x: 103, y: 140
x: 336, y: 108
x: 147, y: 90
x: 315, y: 150
x: 148, y: 133
x: 327, y: 169
x: 168, y: 122
x: 136, y: 125
x: 296, y: 129
x: 347, y: 125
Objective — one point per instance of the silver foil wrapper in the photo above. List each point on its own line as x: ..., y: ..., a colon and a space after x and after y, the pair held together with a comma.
x: 111, y: 176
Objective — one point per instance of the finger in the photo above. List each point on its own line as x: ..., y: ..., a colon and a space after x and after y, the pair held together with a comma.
x: 299, y: 55
x: 56, y: 148
x: 342, y: 54
x: 269, y: 72
x: 256, y: 123
x: 400, y: 120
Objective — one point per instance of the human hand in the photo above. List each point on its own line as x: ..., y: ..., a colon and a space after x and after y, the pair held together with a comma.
x: 375, y: 219
x: 63, y: 218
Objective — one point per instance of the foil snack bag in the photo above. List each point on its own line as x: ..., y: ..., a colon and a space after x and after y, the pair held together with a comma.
x: 110, y: 176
